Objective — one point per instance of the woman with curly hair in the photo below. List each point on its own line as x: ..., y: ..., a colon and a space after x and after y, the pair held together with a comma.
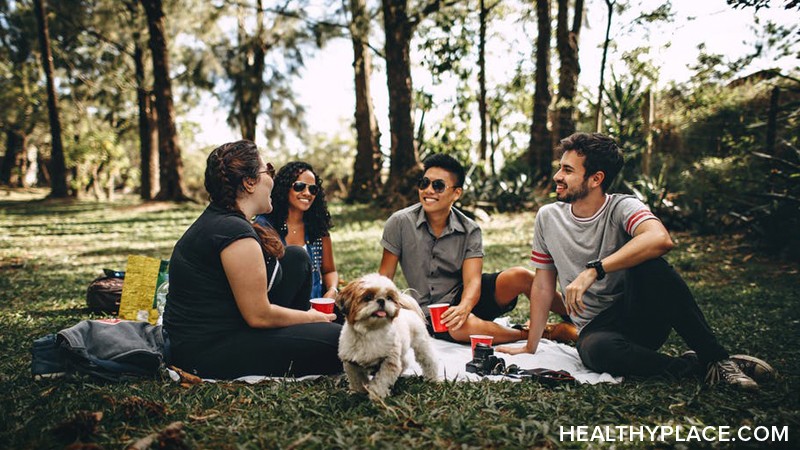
x: 238, y: 302
x: 300, y: 214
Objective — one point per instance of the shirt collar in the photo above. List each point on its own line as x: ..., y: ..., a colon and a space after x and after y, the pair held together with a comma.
x: 453, y: 222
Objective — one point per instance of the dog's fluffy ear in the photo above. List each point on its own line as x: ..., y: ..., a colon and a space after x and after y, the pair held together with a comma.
x: 345, y: 297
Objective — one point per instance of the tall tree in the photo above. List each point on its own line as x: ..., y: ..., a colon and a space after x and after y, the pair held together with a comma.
x: 398, y: 28
x: 247, y: 70
x: 483, y: 13
x: 567, y: 44
x: 20, y: 93
x: 399, y: 25
x: 169, y: 152
x: 148, y: 128
x: 58, y: 167
x: 540, y: 149
x: 259, y: 65
x: 598, y: 118
x: 368, y: 161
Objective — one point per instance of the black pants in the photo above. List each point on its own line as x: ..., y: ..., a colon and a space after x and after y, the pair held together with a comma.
x: 298, y: 350
x: 624, y: 339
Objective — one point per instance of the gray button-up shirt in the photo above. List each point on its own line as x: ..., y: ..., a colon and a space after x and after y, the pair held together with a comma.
x: 431, y: 265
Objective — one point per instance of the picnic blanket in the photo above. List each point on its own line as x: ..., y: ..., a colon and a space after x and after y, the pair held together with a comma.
x: 454, y: 357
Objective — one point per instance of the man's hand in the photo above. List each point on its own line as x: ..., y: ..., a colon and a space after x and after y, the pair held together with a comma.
x: 455, y: 316
x: 573, y: 299
x: 514, y: 350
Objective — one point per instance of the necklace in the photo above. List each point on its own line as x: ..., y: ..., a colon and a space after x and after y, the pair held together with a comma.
x: 286, y: 228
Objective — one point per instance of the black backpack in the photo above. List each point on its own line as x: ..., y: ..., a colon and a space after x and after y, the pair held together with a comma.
x: 105, y: 292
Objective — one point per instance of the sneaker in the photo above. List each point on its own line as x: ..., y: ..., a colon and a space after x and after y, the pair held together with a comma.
x: 754, y: 368
x: 728, y: 372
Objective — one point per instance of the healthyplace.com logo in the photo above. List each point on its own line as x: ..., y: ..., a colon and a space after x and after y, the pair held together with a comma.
x: 673, y: 433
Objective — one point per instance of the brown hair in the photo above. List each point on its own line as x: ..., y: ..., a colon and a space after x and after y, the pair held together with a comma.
x: 226, y: 168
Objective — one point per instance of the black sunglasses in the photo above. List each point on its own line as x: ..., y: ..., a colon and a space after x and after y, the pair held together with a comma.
x: 299, y: 186
x: 438, y: 185
x: 269, y: 170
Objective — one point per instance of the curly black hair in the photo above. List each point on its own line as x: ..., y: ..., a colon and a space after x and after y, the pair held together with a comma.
x: 317, y: 219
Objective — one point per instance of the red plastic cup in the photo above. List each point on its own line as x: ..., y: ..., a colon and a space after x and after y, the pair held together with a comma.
x: 475, y: 339
x: 324, y: 305
x: 436, y: 316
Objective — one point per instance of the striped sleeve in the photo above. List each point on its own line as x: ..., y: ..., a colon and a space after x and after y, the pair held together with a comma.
x: 541, y: 258
x: 636, y: 219
x: 540, y: 255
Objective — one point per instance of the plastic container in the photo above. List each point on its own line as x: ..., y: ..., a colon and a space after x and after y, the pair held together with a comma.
x: 161, y: 300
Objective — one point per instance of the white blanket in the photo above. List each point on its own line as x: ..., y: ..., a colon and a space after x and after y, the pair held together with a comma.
x: 550, y: 355
x: 454, y: 357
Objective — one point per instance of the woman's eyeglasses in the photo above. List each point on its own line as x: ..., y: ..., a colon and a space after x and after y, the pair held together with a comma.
x: 438, y: 185
x: 269, y: 170
x: 299, y: 186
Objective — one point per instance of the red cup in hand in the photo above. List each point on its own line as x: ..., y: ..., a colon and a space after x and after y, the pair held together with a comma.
x: 436, y: 316
x: 323, y: 305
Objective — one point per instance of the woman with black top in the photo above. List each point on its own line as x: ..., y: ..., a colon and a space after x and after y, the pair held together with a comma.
x: 239, y: 301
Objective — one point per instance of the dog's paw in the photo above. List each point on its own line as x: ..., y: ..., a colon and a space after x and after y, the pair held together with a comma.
x: 358, y: 388
x: 378, y: 392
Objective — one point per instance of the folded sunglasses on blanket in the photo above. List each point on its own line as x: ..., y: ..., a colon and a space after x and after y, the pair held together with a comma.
x: 545, y: 376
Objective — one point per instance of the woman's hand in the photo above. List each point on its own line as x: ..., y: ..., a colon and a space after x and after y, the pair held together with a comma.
x: 331, y: 293
x: 316, y: 316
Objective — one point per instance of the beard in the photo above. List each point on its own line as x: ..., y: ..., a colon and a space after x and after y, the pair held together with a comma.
x: 571, y: 196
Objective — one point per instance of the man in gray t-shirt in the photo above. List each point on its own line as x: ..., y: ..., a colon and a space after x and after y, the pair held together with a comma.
x: 605, y: 251
x: 441, y: 253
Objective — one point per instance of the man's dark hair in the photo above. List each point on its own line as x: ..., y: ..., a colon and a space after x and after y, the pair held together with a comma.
x: 447, y: 163
x: 601, y: 152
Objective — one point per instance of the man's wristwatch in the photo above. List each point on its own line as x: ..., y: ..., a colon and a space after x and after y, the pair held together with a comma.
x: 597, y: 265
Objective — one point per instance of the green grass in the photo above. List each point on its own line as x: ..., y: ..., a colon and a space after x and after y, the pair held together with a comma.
x: 50, y: 251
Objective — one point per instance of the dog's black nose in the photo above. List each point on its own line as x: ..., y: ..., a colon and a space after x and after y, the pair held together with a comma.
x: 381, y: 302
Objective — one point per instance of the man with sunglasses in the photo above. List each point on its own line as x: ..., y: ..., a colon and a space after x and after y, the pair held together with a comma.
x: 441, y: 253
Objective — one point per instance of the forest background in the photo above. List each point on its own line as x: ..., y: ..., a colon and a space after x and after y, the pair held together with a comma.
x: 102, y: 97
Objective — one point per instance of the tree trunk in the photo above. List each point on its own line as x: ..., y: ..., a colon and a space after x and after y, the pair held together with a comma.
x: 772, y: 121
x: 567, y: 45
x: 483, y: 148
x: 169, y: 152
x: 598, y: 119
x: 148, y: 135
x: 540, y: 150
x: 58, y: 166
x: 12, y: 170
x: 249, y: 81
x: 367, y: 165
x: 648, y: 115
x: 404, y: 154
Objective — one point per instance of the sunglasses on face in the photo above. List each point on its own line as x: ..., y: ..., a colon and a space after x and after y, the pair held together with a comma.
x: 299, y: 186
x: 438, y: 185
x: 269, y: 170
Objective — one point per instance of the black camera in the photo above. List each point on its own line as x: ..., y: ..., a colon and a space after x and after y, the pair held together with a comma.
x: 484, y: 362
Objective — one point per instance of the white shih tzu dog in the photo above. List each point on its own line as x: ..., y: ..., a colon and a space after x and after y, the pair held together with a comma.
x: 381, y: 325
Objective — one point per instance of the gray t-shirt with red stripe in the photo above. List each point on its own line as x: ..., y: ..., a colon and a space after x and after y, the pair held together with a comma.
x: 565, y: 243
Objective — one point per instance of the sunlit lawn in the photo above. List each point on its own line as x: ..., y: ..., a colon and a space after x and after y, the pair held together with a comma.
x: 50, y: 251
